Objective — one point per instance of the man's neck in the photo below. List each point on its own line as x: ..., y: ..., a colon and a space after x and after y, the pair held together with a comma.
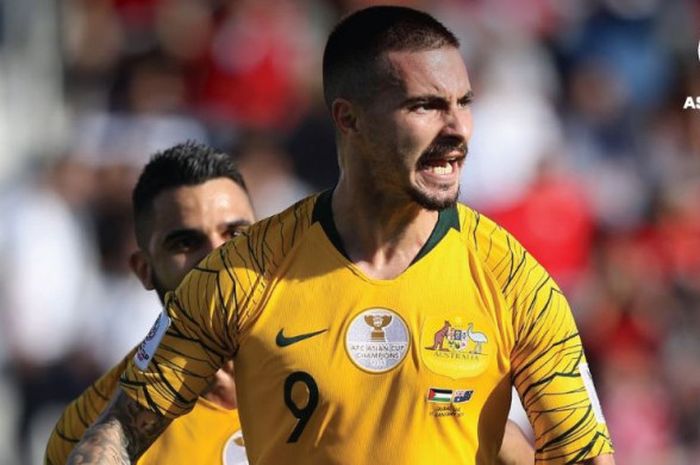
x: 381, y: 236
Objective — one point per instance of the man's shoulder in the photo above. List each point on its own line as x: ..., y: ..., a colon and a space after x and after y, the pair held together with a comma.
x: 265, y: 244
x: 491, y: 243
x: 499, y: 252
x: 475, y: 226
x: 296, y: 218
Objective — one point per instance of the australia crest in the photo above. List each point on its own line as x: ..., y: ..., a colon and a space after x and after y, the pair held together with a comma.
x: 456, y: 347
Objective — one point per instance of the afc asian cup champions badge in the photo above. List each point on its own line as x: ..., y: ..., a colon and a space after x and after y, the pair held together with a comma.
x: 234, y: 450
x: 377, y: 340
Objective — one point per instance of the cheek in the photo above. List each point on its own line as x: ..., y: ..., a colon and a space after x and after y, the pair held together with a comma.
x: 468, y: 122
x: 409, y: 147
x: 395, y: 144
x: 173, y: 268
x: 413, y: 136
x: 185, y: 263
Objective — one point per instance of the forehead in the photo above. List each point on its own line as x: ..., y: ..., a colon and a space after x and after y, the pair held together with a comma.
x: 439, y: 71
x: 215, y: 201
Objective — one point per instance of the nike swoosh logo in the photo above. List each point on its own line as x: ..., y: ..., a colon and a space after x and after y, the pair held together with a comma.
x: 282, y: 341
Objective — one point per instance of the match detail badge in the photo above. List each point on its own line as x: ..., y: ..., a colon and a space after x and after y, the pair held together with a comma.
x: 234, y: 450
x: 149, y: 345
x: 454, y: 347
x: 437, y: 395
x: 377, y: 340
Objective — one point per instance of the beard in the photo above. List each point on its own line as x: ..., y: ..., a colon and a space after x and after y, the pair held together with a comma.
x: 438, y: 149
x: 160, y: 289
x: 431, y: 201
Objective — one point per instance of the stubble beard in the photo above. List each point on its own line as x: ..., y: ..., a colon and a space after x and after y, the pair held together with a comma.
x: 433, y: 202
x: 159, y: 287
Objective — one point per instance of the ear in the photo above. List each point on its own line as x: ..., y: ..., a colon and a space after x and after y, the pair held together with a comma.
x: 344, y: 116
x: 141, y: 267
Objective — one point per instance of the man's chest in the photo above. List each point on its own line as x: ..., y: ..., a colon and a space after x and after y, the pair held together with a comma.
x: 333, y: 353
x: 442, y: 321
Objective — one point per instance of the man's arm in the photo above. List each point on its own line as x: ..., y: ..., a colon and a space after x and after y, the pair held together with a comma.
x: 81, y: 413
x: 515, y: 448
x: 120, y: 436
x: 548, y: 364
x: 605, y: 459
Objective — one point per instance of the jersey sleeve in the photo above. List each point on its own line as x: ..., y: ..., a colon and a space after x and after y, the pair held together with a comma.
x: 548, y: 363
x: 81, y: 413
x: 198, y: 330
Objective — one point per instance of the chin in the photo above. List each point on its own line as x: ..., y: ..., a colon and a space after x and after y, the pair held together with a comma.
x: 435, y: 200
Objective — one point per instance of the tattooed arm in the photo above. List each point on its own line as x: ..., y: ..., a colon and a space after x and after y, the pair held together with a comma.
x: 120, y: 436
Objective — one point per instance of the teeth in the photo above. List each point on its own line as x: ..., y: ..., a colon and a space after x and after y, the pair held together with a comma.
x: 444, y: 169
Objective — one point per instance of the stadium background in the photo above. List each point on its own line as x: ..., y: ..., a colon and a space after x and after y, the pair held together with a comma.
x: 581, y: 148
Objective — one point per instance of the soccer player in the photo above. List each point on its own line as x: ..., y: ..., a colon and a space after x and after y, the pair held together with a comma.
x: 188, y: 201
x: 380, y: 322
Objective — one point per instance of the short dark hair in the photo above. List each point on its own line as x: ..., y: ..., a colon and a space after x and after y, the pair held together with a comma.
x: 355, y: 44
x: 187, y: 164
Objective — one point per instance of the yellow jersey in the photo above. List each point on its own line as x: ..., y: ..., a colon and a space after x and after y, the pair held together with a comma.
x: 333, y: 367
x: 209, y: 435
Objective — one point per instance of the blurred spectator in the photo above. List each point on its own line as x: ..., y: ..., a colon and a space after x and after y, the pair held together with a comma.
x: 105, y: 139
x: 93, y: 41
x: 150, y: 84
x: 47, y: 273
x: 122, y: 311
x: 515, y: 125
x: 638, y: 410
x: 258, y: 54
x: 269, y: 175
x: 311, y: 146
x: 554, y: 221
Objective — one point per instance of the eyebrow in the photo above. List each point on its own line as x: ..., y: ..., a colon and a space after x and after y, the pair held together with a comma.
x: 183, y: 232
x: 469, y: 96
x: 236, y: 223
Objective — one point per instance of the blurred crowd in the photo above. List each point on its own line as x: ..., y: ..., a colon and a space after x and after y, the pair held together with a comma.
x: 581, y: 148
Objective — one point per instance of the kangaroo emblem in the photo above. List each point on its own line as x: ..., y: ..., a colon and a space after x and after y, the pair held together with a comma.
x: 440, y: 336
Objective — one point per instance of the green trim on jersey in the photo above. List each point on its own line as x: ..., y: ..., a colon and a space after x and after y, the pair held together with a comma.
x: 323, y: 214
x: 447, y: 218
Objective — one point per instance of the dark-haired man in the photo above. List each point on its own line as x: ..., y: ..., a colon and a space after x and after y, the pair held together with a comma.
x: 188, y: 201
x: 380, y: 322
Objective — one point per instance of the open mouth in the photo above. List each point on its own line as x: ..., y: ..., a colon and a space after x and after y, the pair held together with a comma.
x: 442, y: 165
x: 443, y: 157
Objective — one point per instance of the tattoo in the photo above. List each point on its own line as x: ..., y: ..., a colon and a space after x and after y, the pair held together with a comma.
x: 120, y: 436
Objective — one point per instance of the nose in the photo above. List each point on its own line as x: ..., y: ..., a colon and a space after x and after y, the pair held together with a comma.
x: 215, y: 240
x: 212, y: 242
x: 458, y: 122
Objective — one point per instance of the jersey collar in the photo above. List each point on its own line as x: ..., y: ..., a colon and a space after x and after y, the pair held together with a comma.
x: 323, y: 214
